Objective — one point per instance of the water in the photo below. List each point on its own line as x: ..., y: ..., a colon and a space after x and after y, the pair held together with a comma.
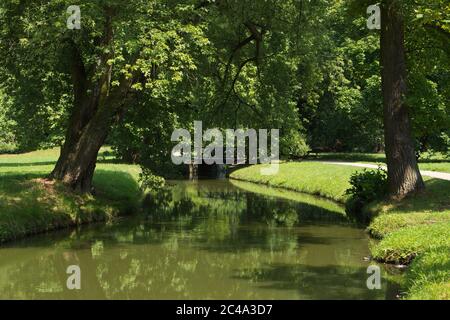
x: 202, y: 240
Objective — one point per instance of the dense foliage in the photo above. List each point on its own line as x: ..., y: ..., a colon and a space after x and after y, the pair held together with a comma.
x: 347, y: 115
x: 311, y: 69
x: 366, y: 186
x: 7, y: 137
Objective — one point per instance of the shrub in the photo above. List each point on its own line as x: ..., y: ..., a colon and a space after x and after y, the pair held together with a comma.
x: 366, y: 186
x: 7, y: 147
x: 7, y: 137
x: 293, y: 145
x: 149, y: 181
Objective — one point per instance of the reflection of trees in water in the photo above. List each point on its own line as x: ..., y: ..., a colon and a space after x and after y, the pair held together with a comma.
x: 189, y: 244
x: 38, y: 276
x: 165, y: 272
x: 249, y: 207
x: 319, y: 282
x: 224, y: 216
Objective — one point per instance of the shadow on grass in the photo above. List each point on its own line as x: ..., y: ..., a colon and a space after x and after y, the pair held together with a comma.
x: 114, y: 185
x: 356, y: 157
x: 47, y: 163
x: 28, y: 164
x: 14, y: 184
x: 436, y: 197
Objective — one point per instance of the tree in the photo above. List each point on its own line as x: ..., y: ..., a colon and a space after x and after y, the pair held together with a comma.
x: 99, y: 71
x: 230, y: 62
x: 403, y: 172
x: 347, y: 115
x: 428, y: 53
x: 99, y: 99
x: 247, y: 79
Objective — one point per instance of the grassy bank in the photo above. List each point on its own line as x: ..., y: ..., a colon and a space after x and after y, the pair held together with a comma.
x: 30, y: 204
x: 325, y: 180
x: 312, y: 207
x: 431, y: 162
x: 415, y: 230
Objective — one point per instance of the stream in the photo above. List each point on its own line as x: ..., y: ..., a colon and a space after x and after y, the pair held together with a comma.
x: 205, y: 239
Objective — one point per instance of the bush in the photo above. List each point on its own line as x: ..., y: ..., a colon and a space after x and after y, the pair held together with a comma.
x: 293, y: 145
x: 366, y: 186
x: 7, y: 137
x: 7, y: 147
x: 149, y: 181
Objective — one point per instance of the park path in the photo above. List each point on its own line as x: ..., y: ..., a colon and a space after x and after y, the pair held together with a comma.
x: 433, y: 174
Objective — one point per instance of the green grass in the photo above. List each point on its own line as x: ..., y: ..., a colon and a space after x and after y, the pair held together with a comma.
x: 440, y: 167
x: 418, y: 226
x: 386, y: 224
x: 348, y: 156
x: 329, y: 181
x: 405, y: 244
x: 430, y: 162
x: 429, y: 275
x: 410, y: 230
x: 429, y: 207
x: 29, y: 204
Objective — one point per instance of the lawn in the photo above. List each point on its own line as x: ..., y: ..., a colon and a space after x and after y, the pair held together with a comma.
x: 30, y: 204
x: 329, y: 181
x: 416, y: 229
x: 431, y: 162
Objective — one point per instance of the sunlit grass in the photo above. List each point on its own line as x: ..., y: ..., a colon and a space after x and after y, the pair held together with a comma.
x: 428, y: 161
x: 326, y: 180
x: 29, y: 204
x: 429, y: 276
x: 410, y: 229
x: 429, y: 207
x: 290, y: 195
x: 405, y: 244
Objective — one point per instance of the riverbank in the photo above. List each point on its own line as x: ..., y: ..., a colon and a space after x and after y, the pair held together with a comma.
x: 30, y: 204
x: 316, y: 178
x: 414, y: 230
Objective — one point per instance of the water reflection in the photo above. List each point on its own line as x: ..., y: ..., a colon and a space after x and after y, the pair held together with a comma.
x: 205, y: 240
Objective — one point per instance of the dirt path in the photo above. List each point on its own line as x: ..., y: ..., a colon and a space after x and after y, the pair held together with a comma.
x: 433, y: 174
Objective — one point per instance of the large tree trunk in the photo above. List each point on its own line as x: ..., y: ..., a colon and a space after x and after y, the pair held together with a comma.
x: 76, y: 164
x: 403, y: 172
x: 95, y: 109
x: 89, y: 127
x: 72, y: 167
x: 85, y: 136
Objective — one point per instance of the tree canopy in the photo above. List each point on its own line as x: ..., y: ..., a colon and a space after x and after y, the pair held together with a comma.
x: 136, y: 70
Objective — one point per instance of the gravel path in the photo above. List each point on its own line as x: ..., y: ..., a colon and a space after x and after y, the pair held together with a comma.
x: 433, y: 174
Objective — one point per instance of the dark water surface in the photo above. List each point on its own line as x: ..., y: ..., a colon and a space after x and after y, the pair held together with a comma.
x: 202, y: 240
